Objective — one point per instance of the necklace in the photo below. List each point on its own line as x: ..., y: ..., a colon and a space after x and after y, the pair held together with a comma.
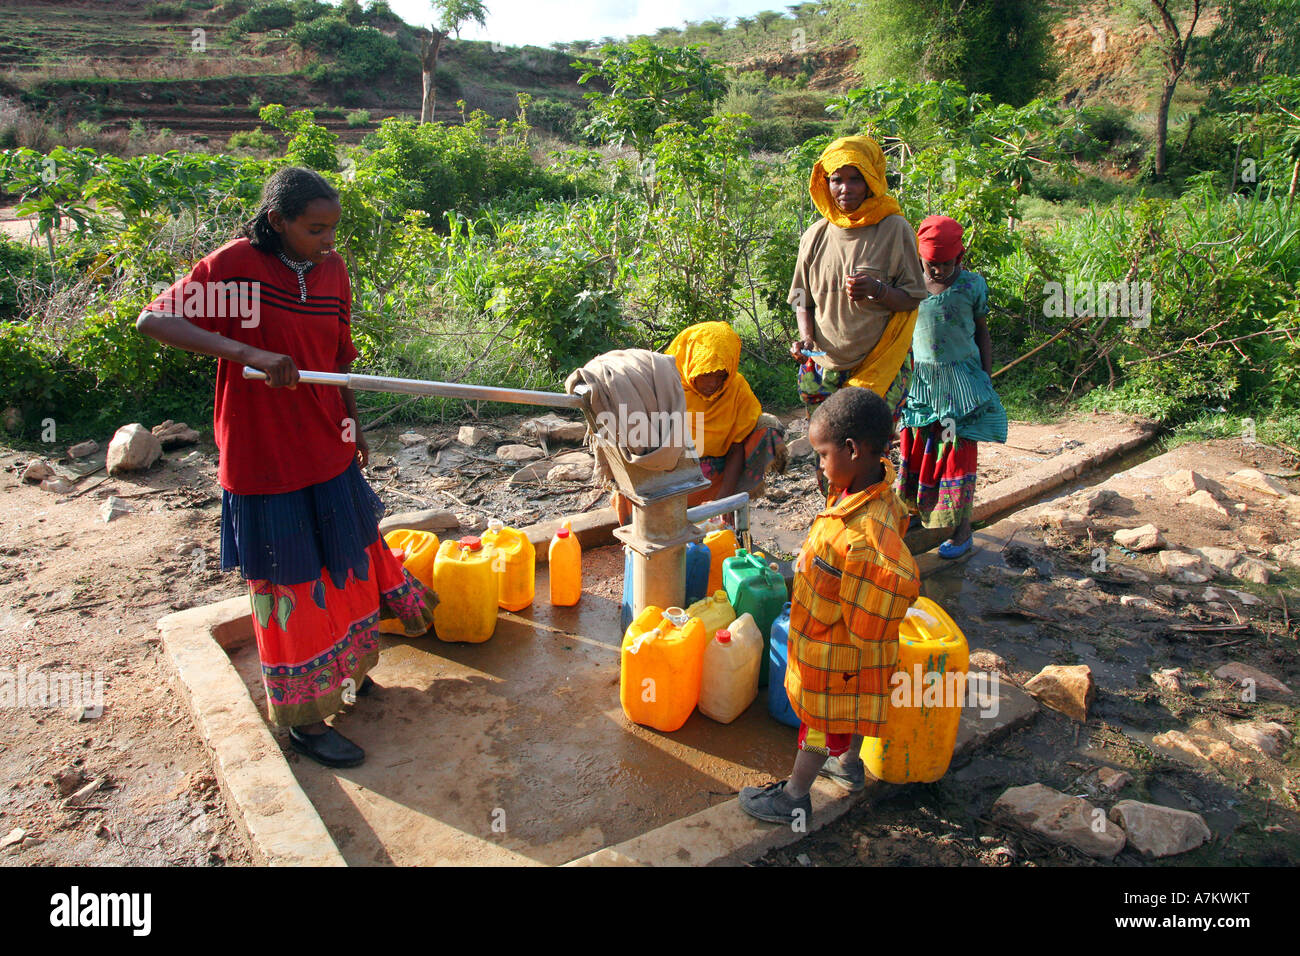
x: 300, y: 269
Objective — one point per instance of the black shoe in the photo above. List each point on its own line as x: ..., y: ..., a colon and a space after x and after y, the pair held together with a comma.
x: 331, y: 748
x: 367, y: 685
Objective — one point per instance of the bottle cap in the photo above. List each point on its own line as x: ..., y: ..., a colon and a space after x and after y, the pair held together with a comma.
x: 471, y: 542
x: 495, y: 524
x: 562, y: 533
x: 722, y: 637
x: 398, y: 553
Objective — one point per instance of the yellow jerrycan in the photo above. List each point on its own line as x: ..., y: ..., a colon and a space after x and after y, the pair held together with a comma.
x: 926, y: 699
x: 715, y: 613
x: 661, y: 664
x: 420, y: 549
x: 514, y: 562
x: 565, y: 559
x: 721, y: 542
x: 467, y: 592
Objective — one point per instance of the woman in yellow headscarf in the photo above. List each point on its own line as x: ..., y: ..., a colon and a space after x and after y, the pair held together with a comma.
x: 735, y: 447
x: 858, y: 280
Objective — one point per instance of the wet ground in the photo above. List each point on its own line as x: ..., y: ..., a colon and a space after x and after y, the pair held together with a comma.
x: 516, y: 750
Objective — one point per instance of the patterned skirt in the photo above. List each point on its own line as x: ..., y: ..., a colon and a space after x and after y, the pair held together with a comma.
x: 763, y: 446
x: 318, y: 630
x: 936, y: 478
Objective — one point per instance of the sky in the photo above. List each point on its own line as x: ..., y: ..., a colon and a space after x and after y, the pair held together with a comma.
x: 543, y: 22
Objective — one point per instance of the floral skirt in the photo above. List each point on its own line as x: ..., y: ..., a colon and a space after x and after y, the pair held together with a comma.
x: 763, y: 447
x: 320, y: 578
x: 936, y: 478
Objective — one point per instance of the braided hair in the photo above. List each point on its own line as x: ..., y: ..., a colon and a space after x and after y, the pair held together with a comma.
x: 857, y: 413
x: 288, y: 192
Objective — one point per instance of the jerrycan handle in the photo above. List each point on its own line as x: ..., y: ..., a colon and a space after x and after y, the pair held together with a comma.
x: 649, y: 635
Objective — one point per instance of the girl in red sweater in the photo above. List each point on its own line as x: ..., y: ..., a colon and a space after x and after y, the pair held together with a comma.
x: 297, y: 517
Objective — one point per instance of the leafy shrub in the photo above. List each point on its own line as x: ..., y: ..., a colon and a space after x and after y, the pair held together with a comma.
x: 358, y: 118
x: 309, y: 144
x: 166, y: 11
x: 17, y: 262
x: 255, y: 140
x: 275, y: 15
x: 358, y: 52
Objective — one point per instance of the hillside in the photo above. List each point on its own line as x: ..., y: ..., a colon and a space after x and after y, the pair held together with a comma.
x: 182, y: 67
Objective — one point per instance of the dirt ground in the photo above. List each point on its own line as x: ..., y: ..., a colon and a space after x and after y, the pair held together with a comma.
x: 81, y: 595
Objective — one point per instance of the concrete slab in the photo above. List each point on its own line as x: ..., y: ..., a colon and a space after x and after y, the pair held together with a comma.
x: 279, y: 823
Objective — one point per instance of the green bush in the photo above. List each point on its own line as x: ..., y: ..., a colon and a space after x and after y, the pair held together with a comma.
x: 275, y: 15
x: 358, y: 52
x: 358, y: 118
x: 18, y: 261
x: 255, y: 140
x: 166, y: 11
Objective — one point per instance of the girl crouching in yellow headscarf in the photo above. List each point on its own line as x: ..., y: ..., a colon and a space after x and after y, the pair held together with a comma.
x: 735, y: 447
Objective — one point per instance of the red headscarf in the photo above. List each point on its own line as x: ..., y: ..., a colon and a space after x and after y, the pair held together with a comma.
x: 939, y: 239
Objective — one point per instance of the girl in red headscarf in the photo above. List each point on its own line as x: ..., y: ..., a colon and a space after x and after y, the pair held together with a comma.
x: 951, y: 405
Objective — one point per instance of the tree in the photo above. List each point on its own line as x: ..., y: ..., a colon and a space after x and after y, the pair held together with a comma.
x: 1253, y: 38
x: 454, y: 15
x: 969, y: 41
x: 766, y: 18
x: 649, y: 85
x: 1174, y: 43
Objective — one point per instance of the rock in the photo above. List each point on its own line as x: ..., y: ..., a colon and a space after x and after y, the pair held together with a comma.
x: 1221, y: 559
x: 14, y: 837
x: 553, y: 428
x: 1059, y: 818
x: 531, y: 474
x: 427, y: 520
x: 1225, y: 594
x: 1203, y: 499
x: 449, y: 459
x: 573, y: 472
x: 519, y: 453
x: 186, y: 547
x: 1184, y: 483
x: 193, y: 458
x: 1201, y: 746
x: 1184, y: 568
x: 1259, y: 535
x: 574, y: 458
x: 1058, y: 602
x: 469, y: 435
x: 411, y: 439
x: 1067, y: 689
x: 986, y: 660
x: 37, y: 470
x: 1112, y: 780
x: 59, y: 486
x: 1265, y: 736
x: 114, y: 507
x: 1157, y: 831
x: 1141, y: 603
x: 83, y: 795
x: 67, y: 781
x: 83, y: 448
x: 1145, y: 538
x: 1170, y: 595
x: 1238, y: 672
x: 1256, y: 480
x: 1287, y: 553
x: 1252, y: 570
x: 1128, y: 575
x: 1083, y: 584
x: 1099, y: 500
x: 172, y: 434
x: 801, y: 449
x: 1170, y: 679
x: 1070, y: 522
x: 470, y: 522
x: 133, y: 448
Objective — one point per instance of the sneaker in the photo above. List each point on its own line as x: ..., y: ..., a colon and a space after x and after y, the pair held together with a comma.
x: 853, y: 779
x: 770, y: 803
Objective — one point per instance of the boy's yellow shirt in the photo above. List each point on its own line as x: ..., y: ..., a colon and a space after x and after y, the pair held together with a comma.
x: 854, y: 581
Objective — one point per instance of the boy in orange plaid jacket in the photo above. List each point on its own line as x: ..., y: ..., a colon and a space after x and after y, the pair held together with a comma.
x: 854, y: 581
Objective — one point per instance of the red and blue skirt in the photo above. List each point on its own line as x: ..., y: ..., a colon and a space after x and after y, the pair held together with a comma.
x: 936, y: 478
x: 320, y: 579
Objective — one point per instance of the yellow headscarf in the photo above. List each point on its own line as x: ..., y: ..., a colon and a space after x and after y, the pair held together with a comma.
x: 861, y: 152
x: 731, y: 412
